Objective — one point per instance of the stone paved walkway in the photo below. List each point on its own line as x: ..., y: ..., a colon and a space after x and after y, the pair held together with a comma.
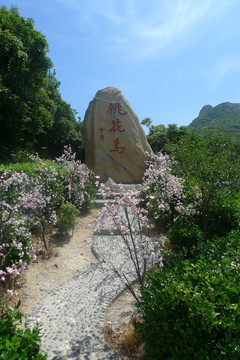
x: 72, y: 315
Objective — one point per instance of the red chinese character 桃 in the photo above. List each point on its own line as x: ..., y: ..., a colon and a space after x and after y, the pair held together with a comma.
x: 116, y: 107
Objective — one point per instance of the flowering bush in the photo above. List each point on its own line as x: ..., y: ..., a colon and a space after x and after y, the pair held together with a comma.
x: 15, y: 238
x: 33, y: 198
x: 43, y: 197
x: 77, y: 179
x: 164, y: 191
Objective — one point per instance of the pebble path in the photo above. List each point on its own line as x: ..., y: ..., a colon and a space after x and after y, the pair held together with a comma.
x: 72, y: 315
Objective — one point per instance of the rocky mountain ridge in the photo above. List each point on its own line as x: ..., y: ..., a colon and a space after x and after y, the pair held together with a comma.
x: 226, y: 115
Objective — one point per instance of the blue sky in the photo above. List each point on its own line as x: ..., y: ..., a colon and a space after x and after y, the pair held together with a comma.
x: 168, y: 57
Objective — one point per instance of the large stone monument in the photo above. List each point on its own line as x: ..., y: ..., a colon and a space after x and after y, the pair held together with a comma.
x: 115, y: 143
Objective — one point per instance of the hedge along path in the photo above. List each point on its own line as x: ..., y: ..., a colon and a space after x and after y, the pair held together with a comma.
x: 70, y: 309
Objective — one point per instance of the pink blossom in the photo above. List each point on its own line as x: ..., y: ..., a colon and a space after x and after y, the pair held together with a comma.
x: 9, y: 270
x: 15, y: 273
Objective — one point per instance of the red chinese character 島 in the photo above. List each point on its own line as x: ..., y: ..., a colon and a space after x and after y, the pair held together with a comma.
x: 116, y: 126
x: 117, y: 148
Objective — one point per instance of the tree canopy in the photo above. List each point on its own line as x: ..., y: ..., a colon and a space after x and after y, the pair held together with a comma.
x: 32, y: 112
x: 160, y: 135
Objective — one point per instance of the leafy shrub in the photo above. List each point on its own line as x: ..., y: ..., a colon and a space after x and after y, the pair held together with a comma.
x: 185, y: 232
x: 192, y: 307
x: 208, y: 163
x: 224, y: 213
x: 223, y: 217
x: 66, y: 217
x: 16, y: 343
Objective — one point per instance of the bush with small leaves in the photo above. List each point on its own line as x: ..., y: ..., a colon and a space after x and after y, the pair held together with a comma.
x: 16, y: 343
x: 66, y: 217
x: 192, y: 306
x: 185, y: 232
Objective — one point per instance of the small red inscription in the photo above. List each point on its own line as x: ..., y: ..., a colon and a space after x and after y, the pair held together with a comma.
x: 101, y: 130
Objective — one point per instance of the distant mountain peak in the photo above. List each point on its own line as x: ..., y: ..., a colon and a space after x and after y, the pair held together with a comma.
x: 205, y: 109
x: 226, y: 115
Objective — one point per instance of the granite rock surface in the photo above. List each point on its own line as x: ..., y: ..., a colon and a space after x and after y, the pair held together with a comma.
x: 115, y: 143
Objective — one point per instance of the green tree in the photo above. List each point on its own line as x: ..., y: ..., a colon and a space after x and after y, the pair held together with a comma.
x: 160, y: 135
x: 147, y: 122
x: 24, y: 104
x: 33, y: 114
x: 209, y: 164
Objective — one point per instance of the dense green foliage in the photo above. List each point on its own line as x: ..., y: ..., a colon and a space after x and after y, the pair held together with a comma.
x: 192, y: 306
x: 210, y: 167
x: 159, y: 136
x: 223, y: 216
x: 225, y: 115
x: 32, y: 112
x: 16, y: 343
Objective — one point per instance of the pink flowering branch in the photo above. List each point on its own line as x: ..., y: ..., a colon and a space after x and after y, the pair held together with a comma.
x: 124, y: 216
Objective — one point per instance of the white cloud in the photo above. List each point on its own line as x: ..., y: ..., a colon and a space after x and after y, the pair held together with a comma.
x: 138, y: 29
x: 171, y: 24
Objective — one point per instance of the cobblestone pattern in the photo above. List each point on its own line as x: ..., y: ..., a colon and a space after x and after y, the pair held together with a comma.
x: 72, y: 315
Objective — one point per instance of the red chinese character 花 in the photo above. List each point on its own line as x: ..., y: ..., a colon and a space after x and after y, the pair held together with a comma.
x: 116, y: 126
